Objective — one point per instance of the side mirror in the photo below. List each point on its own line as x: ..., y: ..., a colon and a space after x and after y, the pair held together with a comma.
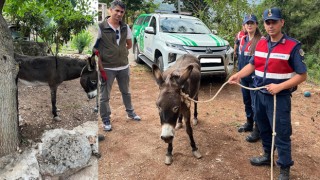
x: 214, y: 31
x: 149, y: 30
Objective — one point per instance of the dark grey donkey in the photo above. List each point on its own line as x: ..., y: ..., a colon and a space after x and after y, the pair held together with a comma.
x: 52, y: 71
x: 184, y: 76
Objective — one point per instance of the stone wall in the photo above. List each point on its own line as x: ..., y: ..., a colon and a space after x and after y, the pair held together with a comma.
x: 30, y: 48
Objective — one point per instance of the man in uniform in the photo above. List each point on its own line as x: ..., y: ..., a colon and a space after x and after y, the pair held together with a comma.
x: 278, y: 65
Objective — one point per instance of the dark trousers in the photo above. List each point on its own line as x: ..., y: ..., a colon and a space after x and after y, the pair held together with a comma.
x: 264, y: 119
x: 247, y: 96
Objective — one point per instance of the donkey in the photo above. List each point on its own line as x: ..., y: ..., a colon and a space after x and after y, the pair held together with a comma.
x: 52, y: 71
x: 184, y: 76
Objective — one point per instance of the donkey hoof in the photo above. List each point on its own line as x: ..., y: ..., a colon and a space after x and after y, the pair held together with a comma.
x: 196, y: 154
x: 95, y: 110
x: 179, y: 126
x: 168, y: 160
x: 57, y: 118
x: 195, y: 122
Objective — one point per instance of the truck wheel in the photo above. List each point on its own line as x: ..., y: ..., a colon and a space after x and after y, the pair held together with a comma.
x: 136, y: 53
x: 160, y: 63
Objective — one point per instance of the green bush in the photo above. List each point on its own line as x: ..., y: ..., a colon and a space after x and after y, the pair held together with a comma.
x: 81, y: 40
x: 313, y: 64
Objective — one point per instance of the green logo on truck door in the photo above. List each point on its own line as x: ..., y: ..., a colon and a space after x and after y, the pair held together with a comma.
x: 141, y: 41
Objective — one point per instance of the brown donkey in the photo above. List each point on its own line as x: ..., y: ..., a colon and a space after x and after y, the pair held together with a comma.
x: 184, y: 76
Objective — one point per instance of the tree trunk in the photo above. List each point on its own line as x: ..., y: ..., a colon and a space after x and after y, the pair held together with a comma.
x: 9, y: 132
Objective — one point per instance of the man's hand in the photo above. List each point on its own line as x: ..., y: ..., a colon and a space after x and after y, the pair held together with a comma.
x: 234, y: 79
x: 96, y: 52
x: 103, y: 75
x: 274, y: 88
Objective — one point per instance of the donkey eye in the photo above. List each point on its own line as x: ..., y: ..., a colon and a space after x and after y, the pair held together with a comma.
x: 175, y: 109
x: 93, y: 81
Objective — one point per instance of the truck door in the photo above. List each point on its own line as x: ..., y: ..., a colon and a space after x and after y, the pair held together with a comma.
x: 141, y: 33
x: 149, y: 40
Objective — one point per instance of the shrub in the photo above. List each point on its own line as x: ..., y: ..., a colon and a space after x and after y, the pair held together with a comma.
x: 81, y: 40
x: 313, y: 64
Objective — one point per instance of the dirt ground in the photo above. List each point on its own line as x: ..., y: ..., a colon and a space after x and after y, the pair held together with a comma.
x: 35, y: 109
x: 134, y: 150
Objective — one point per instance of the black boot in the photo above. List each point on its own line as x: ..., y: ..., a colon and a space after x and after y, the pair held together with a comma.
x: 255, y: 135
x: 284, y: 173
x: 247, y: 126
x: 263, y: 160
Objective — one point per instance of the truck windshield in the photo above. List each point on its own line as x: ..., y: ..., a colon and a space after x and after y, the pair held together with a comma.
x: 183, y: 25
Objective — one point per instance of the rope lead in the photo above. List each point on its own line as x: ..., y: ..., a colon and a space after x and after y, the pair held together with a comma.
x: 186, y: 96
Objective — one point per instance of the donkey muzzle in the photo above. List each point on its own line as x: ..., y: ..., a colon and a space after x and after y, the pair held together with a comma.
x: 92, y: 94
x: 167, y: 133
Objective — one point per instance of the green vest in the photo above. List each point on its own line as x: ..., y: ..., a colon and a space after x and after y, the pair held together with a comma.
x: 112, y: 54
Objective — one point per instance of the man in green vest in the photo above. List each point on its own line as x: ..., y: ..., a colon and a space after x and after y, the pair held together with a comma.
x: 112, y: 45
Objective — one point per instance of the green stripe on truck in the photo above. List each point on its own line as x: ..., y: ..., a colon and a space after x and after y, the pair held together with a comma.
x: 185, y: 43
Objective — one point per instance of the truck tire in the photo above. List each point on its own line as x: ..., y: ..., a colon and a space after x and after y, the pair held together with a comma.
x: 136, y: 53
x: 160, y: 63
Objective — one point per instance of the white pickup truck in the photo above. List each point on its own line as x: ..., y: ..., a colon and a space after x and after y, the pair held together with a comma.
x: 162, y: 38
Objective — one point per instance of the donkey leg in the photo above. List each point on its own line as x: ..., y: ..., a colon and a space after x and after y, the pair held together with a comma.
x: 195, y: 151
x: 53, y: 102
x: 179, y: 124
x: 195, y: 113
x: 96, y: 109
x: 169, y: 159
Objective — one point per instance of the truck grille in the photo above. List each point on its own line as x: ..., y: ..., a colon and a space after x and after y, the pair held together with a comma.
x: 209, y: 52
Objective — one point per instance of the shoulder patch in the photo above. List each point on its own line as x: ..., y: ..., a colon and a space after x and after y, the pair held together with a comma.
x: 301, y: 52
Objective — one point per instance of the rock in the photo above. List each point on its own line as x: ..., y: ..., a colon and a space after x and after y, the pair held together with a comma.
x: 88, y: 173
x: 63, y: 153
x: 20, y: 166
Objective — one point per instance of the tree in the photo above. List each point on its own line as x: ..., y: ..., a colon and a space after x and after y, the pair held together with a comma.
x: 228, y: 16
x: 302, y: 19
x: 200, y: 9
x: 224, y: 15
x: 54, y: 21
x: 190, y: 5
x: 9, y: 133
x: 134, y: 6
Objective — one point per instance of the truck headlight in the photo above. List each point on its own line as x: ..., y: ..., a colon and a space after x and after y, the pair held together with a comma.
x: 172, y: 57
x: 229, y: 50
x: 175, y: 46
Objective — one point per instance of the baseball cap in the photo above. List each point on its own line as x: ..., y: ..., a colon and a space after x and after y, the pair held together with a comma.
x: 272, y: 13
x: 250, y: 17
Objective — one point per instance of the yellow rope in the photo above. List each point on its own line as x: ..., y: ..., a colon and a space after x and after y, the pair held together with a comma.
x: 186, y: 96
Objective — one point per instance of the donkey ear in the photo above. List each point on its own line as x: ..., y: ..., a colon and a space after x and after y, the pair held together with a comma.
x: 157, y: 74
x: 89, y: 67
x: 185, y: 75
x: 91, y: 63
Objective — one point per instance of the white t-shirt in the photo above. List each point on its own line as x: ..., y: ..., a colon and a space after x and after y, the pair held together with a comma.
x: 129, y: 35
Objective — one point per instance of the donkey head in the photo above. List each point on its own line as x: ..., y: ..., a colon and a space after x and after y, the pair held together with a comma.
x: 89, y: 78
x: 169, y: 100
